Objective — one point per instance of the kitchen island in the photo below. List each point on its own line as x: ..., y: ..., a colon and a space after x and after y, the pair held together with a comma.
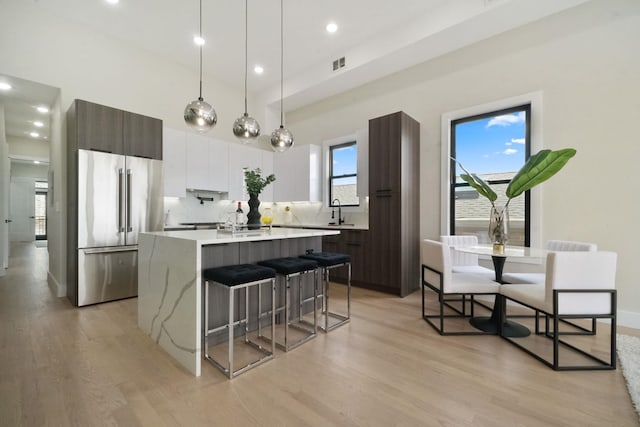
x: 170, y: 264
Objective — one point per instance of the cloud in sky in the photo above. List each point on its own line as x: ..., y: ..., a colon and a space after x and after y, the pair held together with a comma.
x: 508, y: 143
x: 510, y: 151
x: 517, y: 140
x: 507, y: 120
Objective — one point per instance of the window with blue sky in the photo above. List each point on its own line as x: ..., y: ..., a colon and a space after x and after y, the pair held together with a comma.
x: 343, y: 174
x: 493, y: 145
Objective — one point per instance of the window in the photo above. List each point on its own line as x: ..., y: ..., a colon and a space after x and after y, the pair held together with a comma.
x: 41, y: 210
x: 494, y: 145
x: 343, y: 174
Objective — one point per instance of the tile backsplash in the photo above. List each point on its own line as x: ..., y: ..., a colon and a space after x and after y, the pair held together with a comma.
x: 189, y: 209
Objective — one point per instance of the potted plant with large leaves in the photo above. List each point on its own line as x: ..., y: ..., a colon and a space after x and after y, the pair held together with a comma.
x: 537, y: 169
x: 255, y: 183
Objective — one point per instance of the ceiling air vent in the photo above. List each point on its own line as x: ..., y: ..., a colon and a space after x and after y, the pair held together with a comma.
x: 338, y: 63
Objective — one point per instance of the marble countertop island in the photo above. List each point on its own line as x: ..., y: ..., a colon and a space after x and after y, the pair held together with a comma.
x: 170, y: 265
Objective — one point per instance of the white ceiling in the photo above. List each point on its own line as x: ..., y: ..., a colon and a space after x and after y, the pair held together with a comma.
x: 376, y: 37
x: 20, y: 105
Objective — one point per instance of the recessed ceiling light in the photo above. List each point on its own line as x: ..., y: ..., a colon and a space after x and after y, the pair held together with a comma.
x: 332, y: 27
x: 42, y: 109
x: 198, y: 40
x: 113, y: 1
x: 36, y: 162
x: 38, y: 124
x: 34, y: 134
x: 258, y: 69
x: 5, y: 86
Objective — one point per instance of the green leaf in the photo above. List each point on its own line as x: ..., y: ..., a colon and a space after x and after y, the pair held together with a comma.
x: 477, y: 183
x: 480, y: 186
x: 539, y: 168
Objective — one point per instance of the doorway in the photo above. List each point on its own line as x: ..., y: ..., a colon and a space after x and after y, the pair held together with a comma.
x: 40, y: 214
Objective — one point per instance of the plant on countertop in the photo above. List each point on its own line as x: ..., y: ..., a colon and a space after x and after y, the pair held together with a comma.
x: 255, y: 182
x: 537, y: 169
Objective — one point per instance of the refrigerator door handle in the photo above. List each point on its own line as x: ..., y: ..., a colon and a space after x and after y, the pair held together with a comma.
x: 119, y: 201
x: 94, y: 251
x: 129, y: 175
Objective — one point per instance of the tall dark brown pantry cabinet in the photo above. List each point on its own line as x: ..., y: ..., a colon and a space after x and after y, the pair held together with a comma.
x: 393, y: 263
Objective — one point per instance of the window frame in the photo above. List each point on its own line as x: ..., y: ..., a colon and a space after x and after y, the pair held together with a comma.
x: 535, y: 99
x: 332, y: 177
x: 454, y: 185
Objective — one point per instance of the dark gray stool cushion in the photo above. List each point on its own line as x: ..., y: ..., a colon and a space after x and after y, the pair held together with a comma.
x: 327, y: 259
x: 232, y: 275
x: 289, y: 265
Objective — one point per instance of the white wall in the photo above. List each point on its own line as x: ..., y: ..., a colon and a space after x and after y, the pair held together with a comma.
x: 89, y: 66
x: 4, y: 196
x: 586, y: 63
x: 25, y: 170
x: 56, y: 211
x: 25, y: 148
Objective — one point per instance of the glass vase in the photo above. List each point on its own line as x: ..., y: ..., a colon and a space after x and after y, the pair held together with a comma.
x: 499, y: 227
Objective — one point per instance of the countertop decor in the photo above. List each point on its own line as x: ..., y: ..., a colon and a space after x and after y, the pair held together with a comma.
x: 255, y: 183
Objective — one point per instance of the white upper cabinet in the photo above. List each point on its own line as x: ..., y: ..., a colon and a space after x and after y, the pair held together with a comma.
x: 267, y: 169
x: 174, y: 163
x: 240, y: 157
x: 219, y: 165
x: 197, y: 162
x: 298, y: 174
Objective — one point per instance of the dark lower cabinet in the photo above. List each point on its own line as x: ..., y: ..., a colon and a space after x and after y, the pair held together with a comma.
x: 354, y: 243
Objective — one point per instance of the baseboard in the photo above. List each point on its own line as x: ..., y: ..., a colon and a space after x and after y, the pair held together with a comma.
x: 56, y: 288
x: 629, y: 319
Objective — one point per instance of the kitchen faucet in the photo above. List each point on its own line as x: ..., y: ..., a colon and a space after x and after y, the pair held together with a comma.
x: 340, y: 219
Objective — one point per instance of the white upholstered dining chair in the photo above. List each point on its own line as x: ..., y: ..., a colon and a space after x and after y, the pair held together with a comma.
x: 462, y: 262
x: 450, y: 288
x: 555, y: 246
x: 578, y: 285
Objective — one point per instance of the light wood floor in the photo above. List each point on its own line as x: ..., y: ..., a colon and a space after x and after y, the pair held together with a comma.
x: 63, y: 366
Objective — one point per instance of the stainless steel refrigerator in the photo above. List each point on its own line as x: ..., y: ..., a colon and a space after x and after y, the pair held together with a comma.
x: 118, y: 197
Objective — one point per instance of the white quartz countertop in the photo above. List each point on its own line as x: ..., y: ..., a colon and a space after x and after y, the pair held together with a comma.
x: 214, y: 237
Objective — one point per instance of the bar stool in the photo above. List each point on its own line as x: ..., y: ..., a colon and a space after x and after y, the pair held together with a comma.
x: 328, y: 261
x: 233, y: 278
x: 286, y: 268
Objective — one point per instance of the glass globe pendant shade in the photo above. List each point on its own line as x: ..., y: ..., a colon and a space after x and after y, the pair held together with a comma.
x: 281, y: 139
x: 200, y: 115
x: 246, y: 128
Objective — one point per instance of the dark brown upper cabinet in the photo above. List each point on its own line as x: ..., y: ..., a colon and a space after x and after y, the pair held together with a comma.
x: 142, y: 136
x: 100, y: 128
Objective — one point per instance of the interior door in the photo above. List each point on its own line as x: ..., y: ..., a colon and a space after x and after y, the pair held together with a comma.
x: 22, y: 210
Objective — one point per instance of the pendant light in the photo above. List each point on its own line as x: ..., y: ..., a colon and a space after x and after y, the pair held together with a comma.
x: 246, y: 128
x: 199, y: 114
x: 281, y: 138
